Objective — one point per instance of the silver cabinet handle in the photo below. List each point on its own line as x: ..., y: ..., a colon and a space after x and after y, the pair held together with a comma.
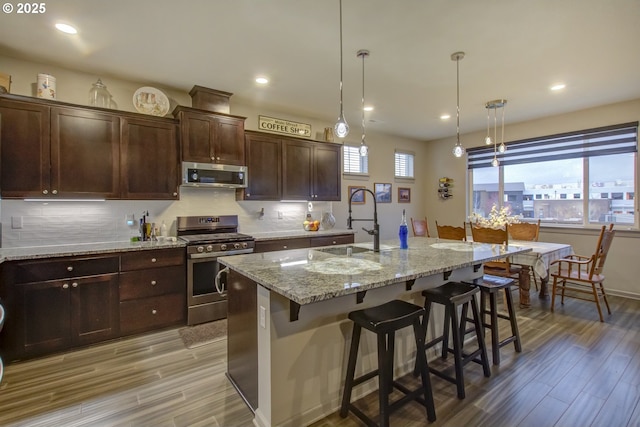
x: 65, y: 286
x: 284, y: 246
x: 74, y: 284
x: 70, y: 268
x: 175, y: 193
x: 153, y: 260
x: 153, y: 283
x: 45, y: 192
x: 54, y: 192
x: 154, y: 311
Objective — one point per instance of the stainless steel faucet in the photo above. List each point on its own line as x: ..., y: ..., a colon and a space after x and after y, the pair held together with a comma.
x: 375, y: 232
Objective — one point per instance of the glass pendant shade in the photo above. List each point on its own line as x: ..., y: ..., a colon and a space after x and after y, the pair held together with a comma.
x: 488, y: 141
x: 458, y: 150
x: 495, y: 163
x: 501, y: 148
x: 364, y: 150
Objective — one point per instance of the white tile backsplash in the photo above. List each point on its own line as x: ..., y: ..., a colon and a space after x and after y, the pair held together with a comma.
x: 56, y: 223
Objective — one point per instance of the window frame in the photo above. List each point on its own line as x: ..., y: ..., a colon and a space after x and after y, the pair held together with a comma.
x: 409, y: 154
x: 364, y: 160
x: 583, y: 140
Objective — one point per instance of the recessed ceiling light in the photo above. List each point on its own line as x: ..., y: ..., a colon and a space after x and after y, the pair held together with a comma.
x: 445, y: 117
x: 558, y: 86
x: 368, y: 108
x: 262, y: 80
x: 66, y: 28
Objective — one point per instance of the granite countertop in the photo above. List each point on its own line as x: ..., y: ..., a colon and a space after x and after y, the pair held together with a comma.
x: 37, y: 252
x: 289, y: 234
x: 310, y: 275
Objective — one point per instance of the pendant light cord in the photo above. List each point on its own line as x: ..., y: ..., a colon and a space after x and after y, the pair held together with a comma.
x: 458, y: 99
x: 341, y: 110
x: 363, y: 56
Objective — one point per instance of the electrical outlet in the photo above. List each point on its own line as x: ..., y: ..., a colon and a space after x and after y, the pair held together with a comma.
x: 16, y: 222
x: 263, y: 317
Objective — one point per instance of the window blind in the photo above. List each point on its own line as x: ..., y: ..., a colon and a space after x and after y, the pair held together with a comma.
x: 616, y: 139
x: 403, y: 164
x: 353, y: 162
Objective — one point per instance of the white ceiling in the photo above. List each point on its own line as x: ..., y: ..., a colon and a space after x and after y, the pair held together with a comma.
x: 515, y: 49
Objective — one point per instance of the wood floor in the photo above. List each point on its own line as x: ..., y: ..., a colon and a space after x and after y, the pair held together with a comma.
x: 573, y: 371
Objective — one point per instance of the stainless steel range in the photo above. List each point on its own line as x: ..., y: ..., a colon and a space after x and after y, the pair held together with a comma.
x: 209, y: 237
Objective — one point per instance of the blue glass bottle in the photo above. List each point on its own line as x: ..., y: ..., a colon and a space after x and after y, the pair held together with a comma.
x: 404, y: 232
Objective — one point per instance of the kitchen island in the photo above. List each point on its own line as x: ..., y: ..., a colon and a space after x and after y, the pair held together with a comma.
x: 288, y: 331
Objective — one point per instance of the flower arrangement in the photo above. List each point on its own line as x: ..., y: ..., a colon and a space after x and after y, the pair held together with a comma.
x: 495, y: 219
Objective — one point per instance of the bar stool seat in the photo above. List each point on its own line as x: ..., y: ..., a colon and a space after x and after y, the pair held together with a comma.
x: 490, y: 286
x: 384, y: 320
x: 453, y: 295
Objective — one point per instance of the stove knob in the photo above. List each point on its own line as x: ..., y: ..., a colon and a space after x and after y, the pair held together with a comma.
x: 200, y: 249
x: 209, y: 248
x: 244, y: 245
x: 223, y: 247
x: 236, y: 245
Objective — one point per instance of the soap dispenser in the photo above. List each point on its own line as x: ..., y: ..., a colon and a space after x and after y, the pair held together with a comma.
x: 404, y: 232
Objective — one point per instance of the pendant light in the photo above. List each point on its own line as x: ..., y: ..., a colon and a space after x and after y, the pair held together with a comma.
x: 494, y: 105
x: 458, y: 149
x: 364, y: 149
x: 341, y: 127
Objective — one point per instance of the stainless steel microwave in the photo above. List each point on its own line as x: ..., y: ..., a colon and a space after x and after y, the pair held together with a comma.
x: 213, y: 175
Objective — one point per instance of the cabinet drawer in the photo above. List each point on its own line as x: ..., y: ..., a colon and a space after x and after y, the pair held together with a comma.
x: 332, y: 240
x: 152, y: 282
x: 38, y: 271
x: 281, y: 245
x: 151, y: 313
x: 152, y: 259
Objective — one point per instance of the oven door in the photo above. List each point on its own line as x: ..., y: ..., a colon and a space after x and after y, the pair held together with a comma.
x: 201, y: 286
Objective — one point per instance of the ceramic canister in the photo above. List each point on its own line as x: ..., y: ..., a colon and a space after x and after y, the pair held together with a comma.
x: 46, y: 86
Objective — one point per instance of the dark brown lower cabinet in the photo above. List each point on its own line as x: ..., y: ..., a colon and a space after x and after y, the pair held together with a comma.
x: 59, y: 314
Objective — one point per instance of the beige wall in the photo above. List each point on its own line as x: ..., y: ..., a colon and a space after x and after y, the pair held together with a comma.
x: 622, y: 266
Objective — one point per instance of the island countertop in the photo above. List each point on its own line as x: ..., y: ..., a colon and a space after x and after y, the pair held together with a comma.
x: 305, y: 276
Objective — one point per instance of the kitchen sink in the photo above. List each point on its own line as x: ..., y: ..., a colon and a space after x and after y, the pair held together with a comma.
x: 343, y: 250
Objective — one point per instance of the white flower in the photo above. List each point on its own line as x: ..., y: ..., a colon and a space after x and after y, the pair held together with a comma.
x: 495, y: 219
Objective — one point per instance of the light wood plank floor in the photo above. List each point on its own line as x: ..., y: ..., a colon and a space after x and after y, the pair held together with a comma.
x: 573, y: 371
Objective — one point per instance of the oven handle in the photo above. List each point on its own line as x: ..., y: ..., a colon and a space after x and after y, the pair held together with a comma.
x: 218, y: 254
x: 217, y: 281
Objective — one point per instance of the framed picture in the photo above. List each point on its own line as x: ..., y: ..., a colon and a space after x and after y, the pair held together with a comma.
x: 404, y: 195
x: 360, y: 197
x: 382, y: 192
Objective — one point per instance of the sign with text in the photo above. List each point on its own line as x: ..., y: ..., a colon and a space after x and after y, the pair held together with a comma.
x: 272, y: 124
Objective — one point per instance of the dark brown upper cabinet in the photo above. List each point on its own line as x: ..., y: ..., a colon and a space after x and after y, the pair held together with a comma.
x: 150, y: 159
x: 287, y: 168
x: 209, y: 137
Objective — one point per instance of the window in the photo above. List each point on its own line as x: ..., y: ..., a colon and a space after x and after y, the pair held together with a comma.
x: 597, y: 167
x: 353, y: 162
x: 404, y: 164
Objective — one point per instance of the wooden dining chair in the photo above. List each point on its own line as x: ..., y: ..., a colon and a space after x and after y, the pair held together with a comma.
x: 451, y: 232
x: 528, y: 231
x: 420, y: 227
x: 579, y: 275
x: 498, y: 236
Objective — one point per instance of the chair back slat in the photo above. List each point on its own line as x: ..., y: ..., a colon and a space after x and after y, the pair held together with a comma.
x: 420, y: 227
x: 524, y: 231
x: 451, y: 232
x: 602, y: 250
x: 498, y: 236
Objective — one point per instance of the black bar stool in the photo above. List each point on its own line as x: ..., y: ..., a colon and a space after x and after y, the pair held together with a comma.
x: 453, y: 295
x: 384, y: 320
x: 490, y: 286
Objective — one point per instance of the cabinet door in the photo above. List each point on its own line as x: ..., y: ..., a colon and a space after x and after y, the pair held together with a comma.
x: 94, y: 308
x: 45, y: 323
x: 197, y: 131
x: 327, y: 172
x: 264, y: 162
x: 150, y: 159
x: 24, y: 134
x: 297, y: 169
x: 228, y: 146
x: 85, y: 153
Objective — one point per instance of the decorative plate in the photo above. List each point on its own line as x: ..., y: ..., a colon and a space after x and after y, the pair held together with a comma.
x: 149, y: 100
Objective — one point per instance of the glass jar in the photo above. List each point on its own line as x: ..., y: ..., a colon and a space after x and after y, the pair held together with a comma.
x: 99, y: 96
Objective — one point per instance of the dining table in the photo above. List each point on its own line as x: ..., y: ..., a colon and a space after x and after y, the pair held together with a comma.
x: 539, y: 259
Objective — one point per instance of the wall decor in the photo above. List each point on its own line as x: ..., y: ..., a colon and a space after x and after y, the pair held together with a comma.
x: 382, y: 192
x: 404, y: 195
x: 360, y: 198
x: 444, y: 187
x: 271, y: 124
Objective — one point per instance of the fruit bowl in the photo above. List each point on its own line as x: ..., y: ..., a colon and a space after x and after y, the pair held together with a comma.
x: 311, y: 225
